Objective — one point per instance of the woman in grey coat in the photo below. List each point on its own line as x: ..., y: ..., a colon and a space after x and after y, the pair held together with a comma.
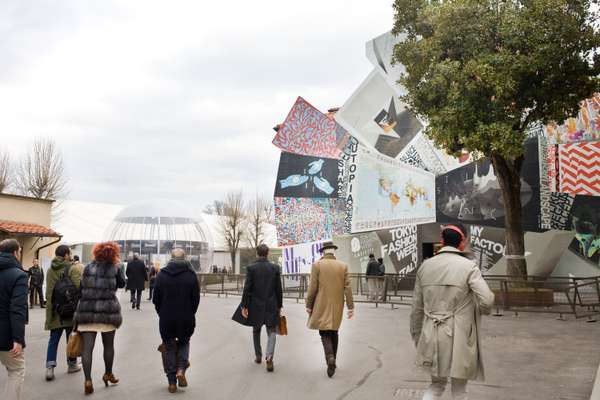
x: 99, y: 310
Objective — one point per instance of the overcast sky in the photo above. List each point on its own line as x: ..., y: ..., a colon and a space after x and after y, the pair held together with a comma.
x: 174, y: 99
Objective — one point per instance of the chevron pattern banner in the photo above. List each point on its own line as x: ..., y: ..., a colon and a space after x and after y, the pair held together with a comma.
x: 579, y: 168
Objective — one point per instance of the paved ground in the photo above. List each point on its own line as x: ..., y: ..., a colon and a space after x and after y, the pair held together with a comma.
x: 527, y: 357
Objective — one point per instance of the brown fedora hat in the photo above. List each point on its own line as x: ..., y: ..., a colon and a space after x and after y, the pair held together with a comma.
x: 328, y: 245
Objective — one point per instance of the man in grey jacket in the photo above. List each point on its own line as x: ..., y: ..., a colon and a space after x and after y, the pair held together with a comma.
x: 449, y: 297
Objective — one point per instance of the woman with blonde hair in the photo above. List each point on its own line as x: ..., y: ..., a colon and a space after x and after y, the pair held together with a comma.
x: 99, y: 310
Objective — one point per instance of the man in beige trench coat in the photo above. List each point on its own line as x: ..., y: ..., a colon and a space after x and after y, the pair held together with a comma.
x: 329, y: 284
x: 449, y: 297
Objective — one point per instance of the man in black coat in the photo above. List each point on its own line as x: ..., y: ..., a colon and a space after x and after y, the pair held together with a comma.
x: 137, y: 275
x: 13, y: 316
x: 176, y: 298
x: 36, y: 281
x: 262, y: 302
x: 373, y: 283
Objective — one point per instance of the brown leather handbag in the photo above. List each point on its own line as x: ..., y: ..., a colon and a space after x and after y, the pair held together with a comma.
x: 74, y: 344
x: 283, y: 330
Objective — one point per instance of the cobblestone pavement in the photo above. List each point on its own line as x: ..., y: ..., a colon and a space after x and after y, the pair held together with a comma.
x: 526, y: 357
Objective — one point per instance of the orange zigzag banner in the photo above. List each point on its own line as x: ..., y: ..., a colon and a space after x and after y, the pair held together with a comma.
x: 579, y: 168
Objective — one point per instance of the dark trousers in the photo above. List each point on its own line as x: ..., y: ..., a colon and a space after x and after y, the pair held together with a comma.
x: 151, y: 289
x: 330, y: 342
x: 108, y: 342
x: 136, y: 297
x: 33, y: 290
x: 175, y: 357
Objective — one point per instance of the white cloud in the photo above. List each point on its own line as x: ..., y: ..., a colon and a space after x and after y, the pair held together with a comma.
x: 174, y: 99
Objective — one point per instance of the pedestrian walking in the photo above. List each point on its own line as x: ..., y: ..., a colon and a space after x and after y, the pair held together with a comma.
x: 449, y: 296
x: 136, y: 280
x: 152, y: 279
x: 372, y: 278
x: 176, y: 298
x: 60, y: 306
x: 13, y: 317
x: 99, y: 310
x: 381, y: 279
x: 36, y: 282
x: 262, y: 301
x: 329, y: 286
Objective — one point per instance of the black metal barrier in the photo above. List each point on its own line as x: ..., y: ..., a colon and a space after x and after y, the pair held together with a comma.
x: 575, y: 296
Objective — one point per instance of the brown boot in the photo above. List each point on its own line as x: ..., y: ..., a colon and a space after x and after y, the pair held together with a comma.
x: 270, y: 366
x: 181, y: 380
x: 88, y: 387
x: 109, y: 378
x: 172, y: 388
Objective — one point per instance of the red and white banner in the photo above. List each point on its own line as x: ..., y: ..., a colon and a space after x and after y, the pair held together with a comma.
x: 579, y: 168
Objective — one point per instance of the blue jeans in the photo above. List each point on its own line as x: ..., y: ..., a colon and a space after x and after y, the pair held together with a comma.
x: 271, y: 340
x: 55, y: 335
x: 175, y: 357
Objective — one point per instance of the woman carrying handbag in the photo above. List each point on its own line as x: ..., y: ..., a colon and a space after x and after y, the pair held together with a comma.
x: 99, y: 310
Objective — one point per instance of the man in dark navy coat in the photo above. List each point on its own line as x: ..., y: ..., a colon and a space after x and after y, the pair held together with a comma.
x: 262, y: 302
x: 13, y: 316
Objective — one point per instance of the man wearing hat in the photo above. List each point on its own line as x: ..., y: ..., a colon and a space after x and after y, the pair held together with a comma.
x: 329, y: 285
x: 449, y: 297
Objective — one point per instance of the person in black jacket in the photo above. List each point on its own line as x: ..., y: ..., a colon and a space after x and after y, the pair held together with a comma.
x: 262, y: 302
x: 373, y: 278
x: 176, y: 298
x: 36, y: 281
x: 13, y: 316
x: 137, y: 275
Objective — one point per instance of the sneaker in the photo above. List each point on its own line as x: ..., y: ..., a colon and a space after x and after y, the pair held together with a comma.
x: 50, y: 374
x: 74, y: 368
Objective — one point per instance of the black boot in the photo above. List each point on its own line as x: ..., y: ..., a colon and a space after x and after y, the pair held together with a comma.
x: 329, y: 354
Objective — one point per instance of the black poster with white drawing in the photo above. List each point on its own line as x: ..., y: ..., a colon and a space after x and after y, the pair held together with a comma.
x: 585, y: 221
x: 471, y: 194
x: 305, y: 176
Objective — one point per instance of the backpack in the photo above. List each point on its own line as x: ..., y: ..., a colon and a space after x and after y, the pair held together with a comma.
x: 65, y: 296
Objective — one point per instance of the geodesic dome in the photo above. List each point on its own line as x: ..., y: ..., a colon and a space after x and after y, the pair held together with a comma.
x: 154, y: 228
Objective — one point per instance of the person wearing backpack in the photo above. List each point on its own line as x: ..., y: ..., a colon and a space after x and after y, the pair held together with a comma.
x: 62, y: 295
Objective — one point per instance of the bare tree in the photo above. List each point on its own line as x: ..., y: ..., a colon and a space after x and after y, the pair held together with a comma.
x: 5, y: 172
x: 215, y: 208
x: 233, y: 222
x: 259, y: 210
x: 41, y: 172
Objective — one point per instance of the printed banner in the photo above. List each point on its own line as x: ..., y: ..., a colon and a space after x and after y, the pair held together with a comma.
x: 380, y: 51
x: 471, y: 194
x: 303, y: 220
x: 307, y: 131
x: 304, y: 176
x: 373, y: 111
x: 560, y: 210
x: 387, y: 193
x: 585, y: 220
x: 422, y: 153
x: 299, y: 259
x: 579, y: 168
x: 398, y: 247
x: 586, y: 126
x: 347, y: 166
x: 487, y: 244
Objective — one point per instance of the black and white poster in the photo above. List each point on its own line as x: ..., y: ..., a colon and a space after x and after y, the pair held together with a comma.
x: 471, y: 194
x: 305, y: 176
x: 585, y: 221
x: 487, y: 244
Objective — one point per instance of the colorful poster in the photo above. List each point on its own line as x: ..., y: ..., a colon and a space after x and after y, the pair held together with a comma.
x: 303, y: 220
x: 387, y: 193
x: 374, y: 110
x: 307, y: 131
x: 585, y: 221
x: 298, y: 259
x: 579, y: 168
x: 586, y: 126
x: 471, y: 194
x: 304, y: 176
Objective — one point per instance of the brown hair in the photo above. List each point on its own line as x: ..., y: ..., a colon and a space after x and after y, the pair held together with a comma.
x: 107, y: 252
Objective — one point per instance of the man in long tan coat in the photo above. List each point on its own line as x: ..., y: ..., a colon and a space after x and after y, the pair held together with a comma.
x: 329, y: 284
x: 449, y: 297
